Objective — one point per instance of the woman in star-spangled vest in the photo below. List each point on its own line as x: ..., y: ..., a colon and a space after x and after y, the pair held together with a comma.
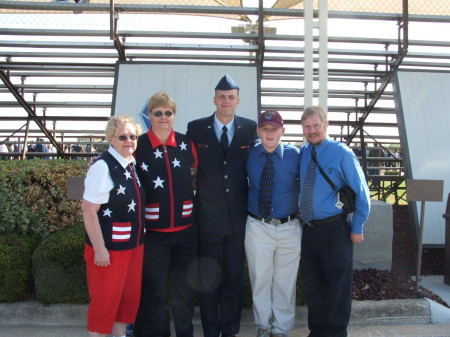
x: 113, y: 213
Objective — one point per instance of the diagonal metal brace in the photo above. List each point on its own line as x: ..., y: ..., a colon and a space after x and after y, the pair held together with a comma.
x: 119, y: 47
x: 403, y: 42
x: 30, y: 111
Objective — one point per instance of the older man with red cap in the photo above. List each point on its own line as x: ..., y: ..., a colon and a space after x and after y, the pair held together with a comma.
x: 273, y: 233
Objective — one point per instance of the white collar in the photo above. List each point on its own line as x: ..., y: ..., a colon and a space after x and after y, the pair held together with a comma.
x: 123, y: 162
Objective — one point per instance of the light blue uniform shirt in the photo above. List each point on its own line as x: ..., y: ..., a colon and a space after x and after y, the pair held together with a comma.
x: 341, y: 165
x: 285, y: 182
x: 218, y: 129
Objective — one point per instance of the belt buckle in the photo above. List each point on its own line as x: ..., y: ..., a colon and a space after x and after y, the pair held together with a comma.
x: 275, y: 222
x: 309, y: 223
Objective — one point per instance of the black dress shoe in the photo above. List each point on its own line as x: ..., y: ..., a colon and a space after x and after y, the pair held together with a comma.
x: 228, y: 335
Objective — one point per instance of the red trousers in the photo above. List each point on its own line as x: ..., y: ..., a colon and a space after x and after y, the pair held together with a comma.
x: 115, y: 290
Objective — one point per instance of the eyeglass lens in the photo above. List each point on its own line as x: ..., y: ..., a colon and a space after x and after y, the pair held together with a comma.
x: 124, y: 138
x: 167, y: 113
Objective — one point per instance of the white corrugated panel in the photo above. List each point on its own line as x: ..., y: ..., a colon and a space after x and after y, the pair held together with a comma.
x: 423, y: 111
x: 191, y: 86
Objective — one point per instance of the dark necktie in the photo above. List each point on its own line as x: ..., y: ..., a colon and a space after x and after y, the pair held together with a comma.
x: 265, y: 187
x: 224, y: 139
x: 306, y: 199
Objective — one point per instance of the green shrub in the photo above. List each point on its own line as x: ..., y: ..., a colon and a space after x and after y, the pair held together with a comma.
x: 33, y: 195
x: 15, y: 266
x: 391, y: 173
x: 58, y: 267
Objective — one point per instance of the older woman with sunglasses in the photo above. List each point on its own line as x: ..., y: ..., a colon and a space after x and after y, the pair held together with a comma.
x: 166, y: 162
x: 113, y: 213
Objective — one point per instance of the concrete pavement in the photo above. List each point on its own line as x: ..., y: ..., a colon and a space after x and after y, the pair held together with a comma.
x: 407, y: 318
x: 397, y: 330
x: 389, y: 318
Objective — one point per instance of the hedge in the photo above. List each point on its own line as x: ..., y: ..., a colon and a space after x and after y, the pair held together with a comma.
x: 59, y: 269
x: 15, y: 266
x: 33, y: 195
x: 34, y: 205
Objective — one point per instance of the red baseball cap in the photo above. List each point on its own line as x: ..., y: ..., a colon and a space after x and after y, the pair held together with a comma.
x: 271, y: 117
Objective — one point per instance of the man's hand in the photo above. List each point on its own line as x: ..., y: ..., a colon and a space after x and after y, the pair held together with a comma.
x: 357, y: 238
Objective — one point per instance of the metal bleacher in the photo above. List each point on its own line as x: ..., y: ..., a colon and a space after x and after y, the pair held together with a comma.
x: 55, y: 76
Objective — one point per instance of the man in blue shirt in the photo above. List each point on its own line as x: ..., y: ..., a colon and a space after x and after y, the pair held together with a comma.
x: 273, y: 234
x: 328, y: 234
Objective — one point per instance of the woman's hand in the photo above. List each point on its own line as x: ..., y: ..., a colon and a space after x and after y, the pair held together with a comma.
x: 93, y: 230
x: 101, y: 257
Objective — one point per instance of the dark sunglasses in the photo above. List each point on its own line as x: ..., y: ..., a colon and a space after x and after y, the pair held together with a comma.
x: 124, y: 138
x: 167, y: 113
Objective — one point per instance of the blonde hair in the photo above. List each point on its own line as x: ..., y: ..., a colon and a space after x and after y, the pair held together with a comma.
x: 118, y: 120
x: 161, y: 98
x: 312, y: 110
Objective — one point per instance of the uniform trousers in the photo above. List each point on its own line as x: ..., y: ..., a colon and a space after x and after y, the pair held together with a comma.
x: 221, y: 282
x: 273, y: 254
x: 327, y: 274
x: 114, y: 290
x: 170, y: 262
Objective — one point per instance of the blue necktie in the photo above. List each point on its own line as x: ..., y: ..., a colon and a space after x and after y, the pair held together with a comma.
x: 306, y: 199
x: 265, y: 187
x: 224, y: 139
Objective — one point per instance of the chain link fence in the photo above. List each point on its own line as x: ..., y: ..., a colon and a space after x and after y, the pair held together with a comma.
x: 230, y: 9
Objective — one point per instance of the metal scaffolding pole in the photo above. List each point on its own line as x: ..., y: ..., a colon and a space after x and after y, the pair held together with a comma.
x: 323, y: 54
x: 308, y: 65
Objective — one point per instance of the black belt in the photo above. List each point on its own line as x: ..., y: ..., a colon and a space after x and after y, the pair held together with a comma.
x: 318, y: 223
x: 274, y: 221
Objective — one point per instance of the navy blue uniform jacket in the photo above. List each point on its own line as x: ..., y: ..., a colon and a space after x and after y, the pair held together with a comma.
x: 222, y: 186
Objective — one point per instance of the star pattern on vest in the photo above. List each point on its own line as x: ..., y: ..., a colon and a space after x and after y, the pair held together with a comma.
x: 121, y: 190
x: 158, y: 182
x: 158, y: 154
x: 183, y: 146
x: 107, y: 212
x: 127, y: 174
x: 176, y: 163
x: 144, y: 167
x: 131, y: 206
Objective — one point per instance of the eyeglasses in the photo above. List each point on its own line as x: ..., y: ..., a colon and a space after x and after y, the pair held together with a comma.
x: 124, y: 138
x: 167, y: 113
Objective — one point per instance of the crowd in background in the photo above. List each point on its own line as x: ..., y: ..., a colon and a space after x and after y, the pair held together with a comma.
x: 39, y: 148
